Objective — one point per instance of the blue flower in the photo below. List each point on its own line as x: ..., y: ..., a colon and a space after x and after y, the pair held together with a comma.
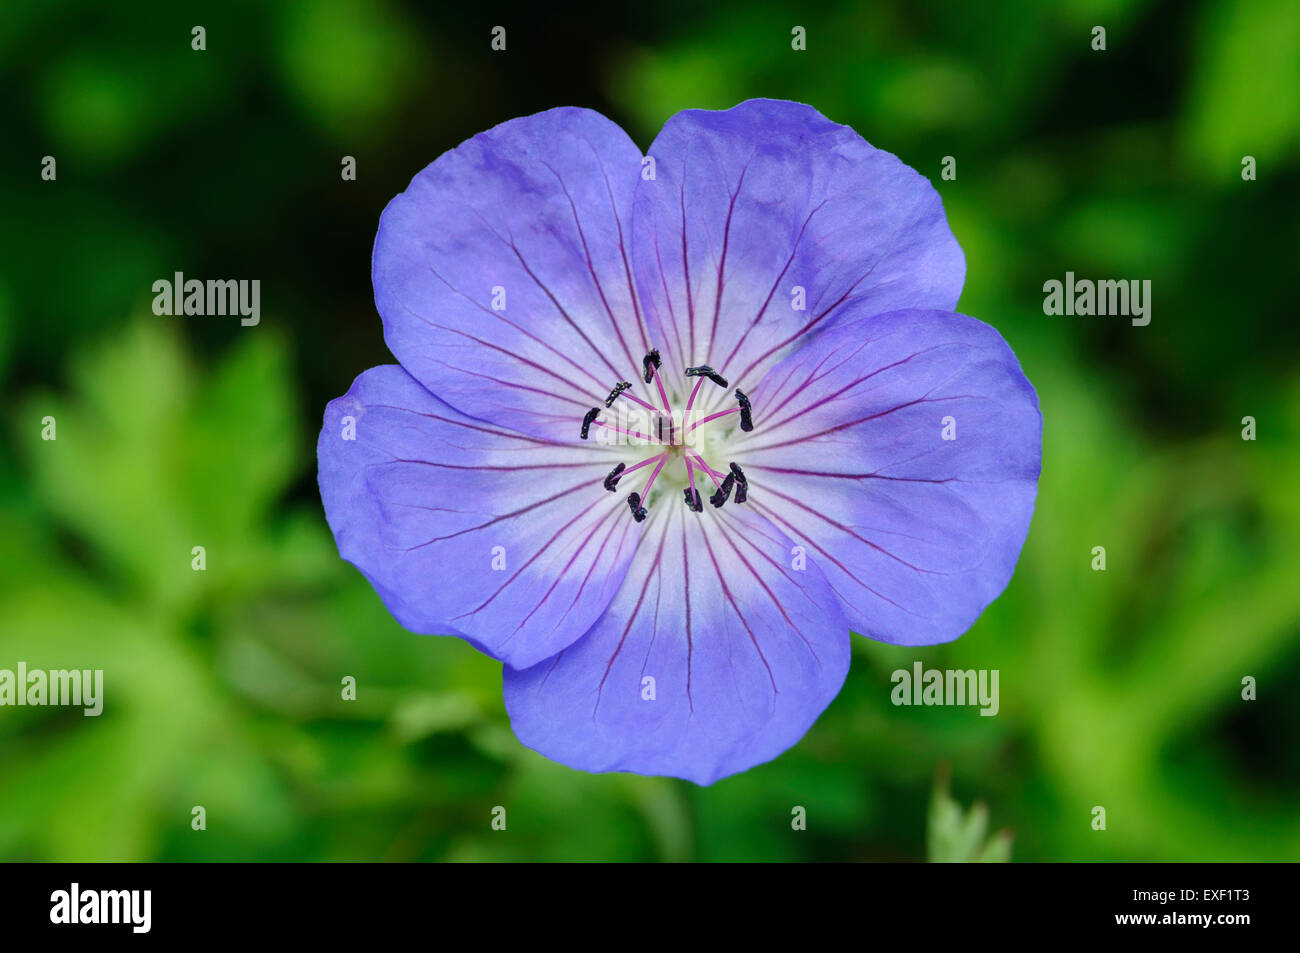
x: 665, y: 428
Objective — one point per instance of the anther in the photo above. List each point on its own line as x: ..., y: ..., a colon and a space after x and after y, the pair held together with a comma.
x: 742, y: 484
x: 693, y: 501
x: 724, y: 491
x: 705, y: 371
x: 746, y: 412
x: 586, y: 421
x: 618, y: 389
x: 634, y: 504
x: 650, y: 359
x: 611, y: 481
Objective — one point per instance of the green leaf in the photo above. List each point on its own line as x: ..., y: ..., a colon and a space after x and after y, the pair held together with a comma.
x: 957, y: 836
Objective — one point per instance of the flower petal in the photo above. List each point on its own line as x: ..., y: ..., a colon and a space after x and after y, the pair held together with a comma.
x: 749, y: 203
x: 743, y: 650
x: 501, y: 272
x: 467, y: 529
x: 904, y: 449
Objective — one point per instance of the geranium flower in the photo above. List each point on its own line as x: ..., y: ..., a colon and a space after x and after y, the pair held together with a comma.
x: 666, y: 428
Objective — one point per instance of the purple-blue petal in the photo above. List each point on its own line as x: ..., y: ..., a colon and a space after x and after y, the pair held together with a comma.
x: 722, y: 647
x: 469, y: 529
x: 751, y: 203
x: 502, y: 272
x: 903, y: 449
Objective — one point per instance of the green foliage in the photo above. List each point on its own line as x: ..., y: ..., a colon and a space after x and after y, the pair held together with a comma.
x: 1246, y: 100
x: 348, y: 61
x: 954, y: 836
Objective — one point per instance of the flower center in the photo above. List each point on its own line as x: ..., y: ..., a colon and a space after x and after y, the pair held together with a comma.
x: 674, y: 434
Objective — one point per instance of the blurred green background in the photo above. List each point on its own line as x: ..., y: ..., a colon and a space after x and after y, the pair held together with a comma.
x: 1119, y: 688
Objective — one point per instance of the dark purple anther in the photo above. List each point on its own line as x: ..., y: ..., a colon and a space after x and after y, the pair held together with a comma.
x: 705, y: 371
x: 724, y: 491
x: 742, y: 485
x: 618, y: 389
x: 650, y: 359
x: 746, y: 412
x: 611, y: 481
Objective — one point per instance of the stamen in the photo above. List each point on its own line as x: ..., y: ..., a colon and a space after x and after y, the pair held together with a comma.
x: 742, y: 484
x: 651, y: 358
x: 662, y: 423
x: 692, y: 494
x: 650, y: 365
x: 623, y: 470
x: 705, y: 420
x: 624, y: 430
x: 694, y: 391
x: 665, y: 426
x: 713, y: 474
x: 644, y: 403
x: 621, y: 390
x: 705, y: 371
x: 746, y: 416
x: 611, y: 481
x: 618, y: 389
x: 724, y: 491
x: 645, y: 490
x: 634, y: 499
